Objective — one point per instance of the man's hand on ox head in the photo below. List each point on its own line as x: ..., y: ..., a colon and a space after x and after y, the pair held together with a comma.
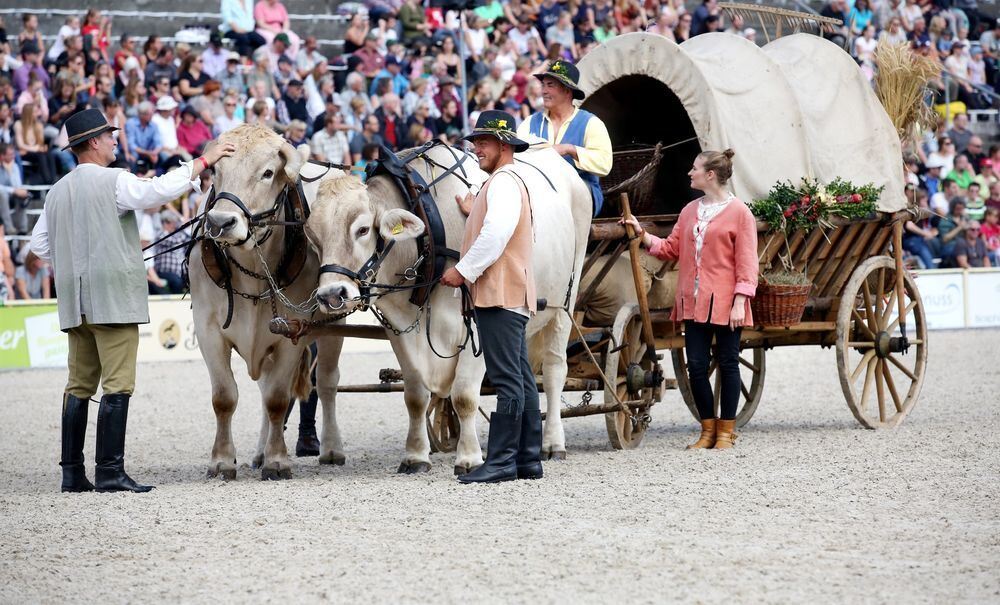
x: 452, y: 278
x: 217, y: 152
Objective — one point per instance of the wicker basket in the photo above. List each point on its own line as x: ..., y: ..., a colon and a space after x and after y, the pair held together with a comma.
x: 779, y: 306
x: 634, y: 172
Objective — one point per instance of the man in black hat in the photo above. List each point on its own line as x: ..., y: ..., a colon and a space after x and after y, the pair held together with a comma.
x: 576, y: 134
x: 496, y: 262
x: 89, y: 233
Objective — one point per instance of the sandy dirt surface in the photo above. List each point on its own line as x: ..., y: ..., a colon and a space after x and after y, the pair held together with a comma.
x: 808, y: 508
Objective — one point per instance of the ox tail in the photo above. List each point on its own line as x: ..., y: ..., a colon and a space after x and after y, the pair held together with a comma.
x: 301, y: 383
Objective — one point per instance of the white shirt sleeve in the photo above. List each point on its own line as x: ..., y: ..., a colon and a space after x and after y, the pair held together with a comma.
x: 40, y: 239
x: 503, y: 211
x: 134, y: 193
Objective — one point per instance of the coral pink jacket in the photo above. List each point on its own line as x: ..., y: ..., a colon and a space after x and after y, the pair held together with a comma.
x: 729, y: 263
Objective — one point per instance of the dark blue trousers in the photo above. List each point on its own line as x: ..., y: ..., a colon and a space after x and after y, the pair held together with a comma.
x: 505, y: 349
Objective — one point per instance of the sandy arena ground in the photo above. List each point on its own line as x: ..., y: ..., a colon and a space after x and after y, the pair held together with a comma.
x: 810, y: 507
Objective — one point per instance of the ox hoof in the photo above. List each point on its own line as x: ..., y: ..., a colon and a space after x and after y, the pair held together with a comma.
x: 556, y: 455
x: 257, y: 462
x: 462, y: 469
x: 412, y: 468
x: 333, y: 458
x: 226, y: 473
x: 275, y: 474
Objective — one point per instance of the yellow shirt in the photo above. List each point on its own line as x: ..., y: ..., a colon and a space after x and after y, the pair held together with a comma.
x: 595, y: 155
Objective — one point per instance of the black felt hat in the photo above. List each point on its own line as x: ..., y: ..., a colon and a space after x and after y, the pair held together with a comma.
x: 566, y: 74
x: 85, y: 125
x: 500, y: 125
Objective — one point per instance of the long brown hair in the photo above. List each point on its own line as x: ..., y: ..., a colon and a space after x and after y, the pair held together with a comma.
x: 29, y: 121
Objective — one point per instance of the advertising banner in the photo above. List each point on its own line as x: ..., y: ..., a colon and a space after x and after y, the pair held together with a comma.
x: 943, y: 294
x: 982, y: 294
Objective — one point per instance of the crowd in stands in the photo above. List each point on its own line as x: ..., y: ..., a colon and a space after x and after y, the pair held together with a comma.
x: 397, y: 81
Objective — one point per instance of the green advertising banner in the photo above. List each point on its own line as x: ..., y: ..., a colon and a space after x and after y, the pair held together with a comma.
x: 30, y: 336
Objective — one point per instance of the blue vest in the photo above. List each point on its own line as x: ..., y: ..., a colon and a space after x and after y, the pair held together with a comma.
x: 574, y: 136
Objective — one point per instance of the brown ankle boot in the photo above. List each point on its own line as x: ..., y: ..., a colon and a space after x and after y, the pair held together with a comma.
x: 707, y: 439
x: 725, y: 435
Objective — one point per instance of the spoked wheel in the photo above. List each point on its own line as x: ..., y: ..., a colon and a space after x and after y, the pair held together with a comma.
x: 635, y: 378
x: 752, y: 367
x: 881, y: 378
x: 442, y: 425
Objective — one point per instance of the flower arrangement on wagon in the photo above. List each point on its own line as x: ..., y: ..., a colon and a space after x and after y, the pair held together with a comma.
x: 782, y: 293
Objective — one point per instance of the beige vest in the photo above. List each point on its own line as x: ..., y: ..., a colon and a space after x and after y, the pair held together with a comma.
x: 96, y: 254
x: 510, y: 281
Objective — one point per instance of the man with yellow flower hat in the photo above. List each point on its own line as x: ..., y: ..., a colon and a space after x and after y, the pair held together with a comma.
x: 579, y: 136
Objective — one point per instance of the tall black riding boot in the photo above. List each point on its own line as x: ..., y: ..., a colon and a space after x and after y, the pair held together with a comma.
x: 112, y: 418
x: 308, y: 443
x: 529, y: 452
x: 74, y: 430
x: 501, y: 451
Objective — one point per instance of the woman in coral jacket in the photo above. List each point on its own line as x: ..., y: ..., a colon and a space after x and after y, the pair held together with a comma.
x: 715, y: 244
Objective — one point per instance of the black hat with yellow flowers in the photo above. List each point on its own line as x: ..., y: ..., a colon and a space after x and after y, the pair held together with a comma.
x: 566, y: 74
x: 500, y: 125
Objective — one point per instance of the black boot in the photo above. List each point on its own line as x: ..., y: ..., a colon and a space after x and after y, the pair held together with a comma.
x: 308, y: 443
x: 112, y: 418
x: 501, y: 451
x: 529, y: 453
x: 74, y: 430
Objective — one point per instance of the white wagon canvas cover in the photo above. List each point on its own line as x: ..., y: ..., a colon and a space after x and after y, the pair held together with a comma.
x: 798, y: 107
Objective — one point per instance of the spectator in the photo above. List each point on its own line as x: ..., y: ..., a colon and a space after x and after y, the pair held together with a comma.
x: 414, y: 22
x: 974, y: 151
x: 35, y: 93
x: 30, y: 64
x: 894, y: 33
x: 422, y: 116
x: 262, y: 73
x: 231, y: 79
x: 970, y: 250
x: 215, y: 56
x: 976, y: 205
x: 161, y: 89
x: 990, y: 231
x: 318, y: 88
x: 272, y: 21
x: 31, y: 279
x: 6, y: 269
x: 162, y: 67
x: 355, y: 89
x: 962, y: 173
x: 30, y: 139
x: 14, y: 197
x: 986, y: 177
x: 144, y: 139
x: 192, y: 79
x: 398, y: 82
x: 169, y: 266
x: 228, y: 120
x: 909, y: 14
x: 295, y: 133
x: 390, y: 121
x: 329, y: 144
x: 98, y: 29
x: 104, y: 89
x: 371, y: 58
x: 263, y: 115
x: 30, y: 34
x: 701, y: 14
x: 192, y: 133
x: 860, y: 17
x: 941, y: 201
x: 446, y: 92
x: 932, y: 179
x: 293, y: 104
x: 562, y: 33
x: 945, y: 155
x: 450, y: 122
x: 126, y: 51
x: 71, y: 27
x: 920, y: 236
x: 712, y: 24
x: 523, y: 36
x: 115, y: 116
x: 258, y: 94
x: 960, y: 133
x: 150, y: 50
x: 238, y: 25
x: 354, y: 119
x: 682, y: 33
x: 951, y: 227
x: 308, y: 58
x: 357, y: 31
x: 166, y: 123
x: 285, y: 73
x: 369, y: 136
x: 280, y: 48
x: 209, y: 105
x: 836, y: 9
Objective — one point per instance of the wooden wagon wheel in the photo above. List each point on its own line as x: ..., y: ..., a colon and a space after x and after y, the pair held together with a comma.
x: 625, y: 364
x: 442, y: 425
x: 752, y: 368
x: 869, y: 354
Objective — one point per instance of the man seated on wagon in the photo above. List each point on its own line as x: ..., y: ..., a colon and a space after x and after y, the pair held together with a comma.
x: 576, y: 134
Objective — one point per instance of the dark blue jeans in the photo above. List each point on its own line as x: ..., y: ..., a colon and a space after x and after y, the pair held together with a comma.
x: 698, y: 347
x: 505, y: 349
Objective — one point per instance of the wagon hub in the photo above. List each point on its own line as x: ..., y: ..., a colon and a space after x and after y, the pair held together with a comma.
x: 637, y: 378
x: 885, y: 344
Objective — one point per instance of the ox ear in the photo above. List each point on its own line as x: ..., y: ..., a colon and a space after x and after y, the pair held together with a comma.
x: 294, y: 160
x: 400, y: 225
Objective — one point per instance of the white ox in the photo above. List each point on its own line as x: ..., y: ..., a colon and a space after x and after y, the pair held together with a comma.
x: 261, y: 167
x: 346, y: 220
